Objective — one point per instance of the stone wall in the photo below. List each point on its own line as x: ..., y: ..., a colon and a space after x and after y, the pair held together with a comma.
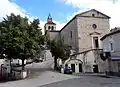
x: 66, y: 34
x: 91, y: 58
x: 54, y: 35
x: 85, y: 28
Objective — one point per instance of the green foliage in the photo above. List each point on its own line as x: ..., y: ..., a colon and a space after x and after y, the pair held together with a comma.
x: 59, y: 50
x: 19, y: 39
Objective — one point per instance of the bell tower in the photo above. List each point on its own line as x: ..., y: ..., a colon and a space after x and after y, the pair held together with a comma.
x: 50, y: 25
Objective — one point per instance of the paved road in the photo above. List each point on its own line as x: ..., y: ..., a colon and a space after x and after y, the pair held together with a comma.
x: 87, y: 81
x: 44, y: 78
x: 37, y: 69
x: 40, y: 74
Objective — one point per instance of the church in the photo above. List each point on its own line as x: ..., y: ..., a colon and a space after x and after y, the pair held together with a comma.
x: 82, y: 33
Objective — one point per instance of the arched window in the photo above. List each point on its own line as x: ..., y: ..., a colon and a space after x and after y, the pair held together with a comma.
x: 52, y: 28
x: 48, y: 27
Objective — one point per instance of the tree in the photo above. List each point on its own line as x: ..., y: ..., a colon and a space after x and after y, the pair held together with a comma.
x: 59, y: 50
x: 19, y: 39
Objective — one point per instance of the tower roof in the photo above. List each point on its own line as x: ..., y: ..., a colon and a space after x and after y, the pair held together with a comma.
x: 49, y: 16
x: 49, y: 20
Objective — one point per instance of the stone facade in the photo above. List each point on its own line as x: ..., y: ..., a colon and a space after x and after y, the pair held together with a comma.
x: 75, y: 64
x: 82, y: 33
x: 69, y: 34
x: 86, y: 32
x: 54, y: 35
x: 84, y: 28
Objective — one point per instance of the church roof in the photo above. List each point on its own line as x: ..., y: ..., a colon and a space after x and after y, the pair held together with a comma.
x: 81, y: 14
x: 54, y: 31
x: 51, y: 23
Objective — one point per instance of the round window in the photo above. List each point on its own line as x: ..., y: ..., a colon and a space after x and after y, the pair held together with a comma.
x: 94, y: 26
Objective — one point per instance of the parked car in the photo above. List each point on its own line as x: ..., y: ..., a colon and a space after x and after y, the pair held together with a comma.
x: 67, y: 70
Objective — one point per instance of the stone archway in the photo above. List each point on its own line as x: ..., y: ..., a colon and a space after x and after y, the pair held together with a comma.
x: 75, y: 64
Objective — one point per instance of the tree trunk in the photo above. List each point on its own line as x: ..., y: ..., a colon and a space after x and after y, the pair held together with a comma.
x: 10, y: 73
x: 23, y: 68
x: 55, y: 63
x: 10, y: 66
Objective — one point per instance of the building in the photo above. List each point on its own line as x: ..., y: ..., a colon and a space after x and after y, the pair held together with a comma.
x: 111, y: 44
x: 82, y: 33
x: 50, y: 29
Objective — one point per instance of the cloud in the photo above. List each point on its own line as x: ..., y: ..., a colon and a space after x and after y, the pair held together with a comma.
x: 59, y: 25
x: 9, y: 6
x: 109, y: 7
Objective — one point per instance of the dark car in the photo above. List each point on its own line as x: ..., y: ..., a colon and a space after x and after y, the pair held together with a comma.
x: 68, y: 70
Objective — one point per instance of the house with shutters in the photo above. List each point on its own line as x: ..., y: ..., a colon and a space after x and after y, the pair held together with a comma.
x: 111, y: 48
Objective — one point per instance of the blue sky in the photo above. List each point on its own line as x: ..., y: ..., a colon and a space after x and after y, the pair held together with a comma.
x: 41, y: 9
x: 61, y: 10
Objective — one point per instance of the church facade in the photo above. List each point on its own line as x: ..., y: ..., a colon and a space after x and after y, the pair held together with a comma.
x: 82, y: 33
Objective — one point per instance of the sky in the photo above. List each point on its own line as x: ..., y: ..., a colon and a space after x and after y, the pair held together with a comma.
x: 61, y: 10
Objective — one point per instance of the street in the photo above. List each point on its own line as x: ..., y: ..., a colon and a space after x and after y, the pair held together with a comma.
x: 43, y: 78
x: 54, y: 79
x: 42, y: 75
x: 87, y: 81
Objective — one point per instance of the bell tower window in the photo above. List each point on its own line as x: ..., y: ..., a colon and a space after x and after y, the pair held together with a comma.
x: 52, y: 28
x: 48, y: 27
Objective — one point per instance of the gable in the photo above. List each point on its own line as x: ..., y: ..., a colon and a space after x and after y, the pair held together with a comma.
x: 94, y: 33
x: 93, y: 13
